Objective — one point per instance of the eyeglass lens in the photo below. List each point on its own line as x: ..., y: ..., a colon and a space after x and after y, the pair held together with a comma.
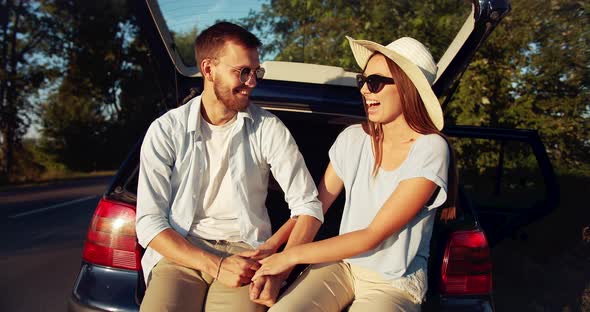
x: 246, y: 71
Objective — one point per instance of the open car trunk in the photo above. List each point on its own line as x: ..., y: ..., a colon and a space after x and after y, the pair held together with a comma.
x: 518, y: 188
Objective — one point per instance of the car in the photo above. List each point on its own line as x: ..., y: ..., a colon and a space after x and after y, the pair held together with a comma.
x: 316, y: 105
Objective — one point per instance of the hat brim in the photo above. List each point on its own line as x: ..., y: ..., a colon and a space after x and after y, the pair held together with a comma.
x: 364, y: 49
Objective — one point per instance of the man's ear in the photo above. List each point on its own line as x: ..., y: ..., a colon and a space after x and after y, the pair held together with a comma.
x: 207, y: 69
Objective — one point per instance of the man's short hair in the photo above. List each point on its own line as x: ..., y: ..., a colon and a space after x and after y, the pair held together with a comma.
x: 211, y: 41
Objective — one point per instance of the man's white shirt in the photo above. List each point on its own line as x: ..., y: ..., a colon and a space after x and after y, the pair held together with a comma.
x: 172, y: 162
x: 216, y: 217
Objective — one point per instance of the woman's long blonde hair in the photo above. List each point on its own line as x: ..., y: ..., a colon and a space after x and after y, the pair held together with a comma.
x: 417, y: 118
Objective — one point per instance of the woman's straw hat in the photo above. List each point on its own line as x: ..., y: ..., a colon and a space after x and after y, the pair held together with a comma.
x: 414, y: 59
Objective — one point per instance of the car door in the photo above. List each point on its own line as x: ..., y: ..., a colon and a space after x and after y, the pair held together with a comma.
x: 505, y: 172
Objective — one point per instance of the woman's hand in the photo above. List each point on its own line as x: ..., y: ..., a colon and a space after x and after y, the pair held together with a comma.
x: 275, y: 264
x: 265, y: 290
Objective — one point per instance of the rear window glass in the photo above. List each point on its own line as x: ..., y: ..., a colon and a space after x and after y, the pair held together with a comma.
x: 314, y: 31
x: 503, y: 182
x: 499, y: 175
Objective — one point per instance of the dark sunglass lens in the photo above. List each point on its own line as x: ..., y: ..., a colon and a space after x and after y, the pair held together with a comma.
x: 373, y: 84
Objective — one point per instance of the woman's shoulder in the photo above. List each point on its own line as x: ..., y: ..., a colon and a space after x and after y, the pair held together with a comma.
x: 353, y: 133
x: 351, y: 138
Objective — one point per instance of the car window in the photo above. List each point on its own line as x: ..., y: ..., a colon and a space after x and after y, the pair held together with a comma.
x: 186, y: 18
x: 506, y: 176
x: 181, y: 20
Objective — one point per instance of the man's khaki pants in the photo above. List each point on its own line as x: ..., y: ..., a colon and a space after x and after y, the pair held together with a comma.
x: 172, y: 287
x: 338, y: 286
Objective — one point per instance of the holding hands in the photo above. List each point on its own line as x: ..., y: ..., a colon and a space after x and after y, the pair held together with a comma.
x: 275, y: 264
x: 265, y: 288
x: 236, y: 270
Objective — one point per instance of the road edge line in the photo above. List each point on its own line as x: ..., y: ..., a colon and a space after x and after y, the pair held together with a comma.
x: 75, y: 201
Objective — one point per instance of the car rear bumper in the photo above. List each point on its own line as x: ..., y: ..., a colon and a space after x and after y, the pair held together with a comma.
x: 100, y: 288
x: 476, y: 304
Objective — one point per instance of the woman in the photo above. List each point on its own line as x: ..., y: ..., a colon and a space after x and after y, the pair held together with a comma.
x: 395, y: 170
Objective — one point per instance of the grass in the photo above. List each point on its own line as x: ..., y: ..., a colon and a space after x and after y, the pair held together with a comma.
x: 547, y: 268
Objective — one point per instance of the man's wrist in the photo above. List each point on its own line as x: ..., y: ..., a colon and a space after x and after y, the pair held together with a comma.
x: 285, y: 275
x: 210, y: 264
x: 271, y: 245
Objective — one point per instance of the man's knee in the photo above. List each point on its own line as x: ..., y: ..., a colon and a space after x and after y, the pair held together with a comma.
x: 222, y: 298
x: 174, y: 288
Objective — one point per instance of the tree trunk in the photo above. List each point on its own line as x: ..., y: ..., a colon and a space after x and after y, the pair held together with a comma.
x: 3, y: 92
x: 10, y: 110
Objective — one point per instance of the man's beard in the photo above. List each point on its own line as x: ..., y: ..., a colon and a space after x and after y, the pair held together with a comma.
x: 231, y: 97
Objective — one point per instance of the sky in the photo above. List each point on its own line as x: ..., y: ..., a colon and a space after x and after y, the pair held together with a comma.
x: 183, y: 15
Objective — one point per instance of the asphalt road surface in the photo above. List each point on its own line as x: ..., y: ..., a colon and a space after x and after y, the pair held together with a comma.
x: 43, y: 231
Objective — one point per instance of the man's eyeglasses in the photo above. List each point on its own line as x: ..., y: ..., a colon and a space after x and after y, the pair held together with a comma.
x: 374, y: 82
x: 247, y: 72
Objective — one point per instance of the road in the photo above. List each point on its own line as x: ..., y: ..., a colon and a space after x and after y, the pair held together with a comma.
x: 43, y: 231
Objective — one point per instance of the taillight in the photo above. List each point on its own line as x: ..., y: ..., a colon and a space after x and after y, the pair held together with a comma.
x: 111, y: 239
x: 467, y: 265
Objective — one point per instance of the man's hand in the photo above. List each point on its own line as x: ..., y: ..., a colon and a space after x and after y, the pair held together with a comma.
x: 237, y: 271
x: 265, y: 290
x: 259, y: 253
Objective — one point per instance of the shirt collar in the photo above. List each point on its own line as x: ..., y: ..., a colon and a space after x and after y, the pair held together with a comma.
x: 194, y: 117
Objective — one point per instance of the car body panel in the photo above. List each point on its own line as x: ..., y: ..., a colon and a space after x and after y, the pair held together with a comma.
x: 102, y: 288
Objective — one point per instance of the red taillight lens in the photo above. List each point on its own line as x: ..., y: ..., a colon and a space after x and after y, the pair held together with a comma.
x: 111, y: 239
x: 467, y: 265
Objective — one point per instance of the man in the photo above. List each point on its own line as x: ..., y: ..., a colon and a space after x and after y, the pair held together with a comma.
x: 202, y: 187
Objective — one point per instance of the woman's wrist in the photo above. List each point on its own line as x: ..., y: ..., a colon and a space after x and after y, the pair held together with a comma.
x: 292, y: 256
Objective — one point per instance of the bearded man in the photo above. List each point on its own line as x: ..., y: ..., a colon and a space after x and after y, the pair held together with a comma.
x: 204, y: 172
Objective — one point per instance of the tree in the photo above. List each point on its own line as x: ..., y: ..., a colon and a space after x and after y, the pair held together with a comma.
x: 185, y: 43
x: 106, y: 98
x: 29, y: 38
x: 314, y: 31
x: 533, y: 72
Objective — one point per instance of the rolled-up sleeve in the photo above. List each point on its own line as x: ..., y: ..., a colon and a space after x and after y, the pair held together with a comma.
x: 288, y: 168
x: 430, y: 159
x: 154, y: 187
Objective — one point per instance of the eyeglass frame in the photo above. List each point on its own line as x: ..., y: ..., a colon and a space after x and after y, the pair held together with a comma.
x: 257, y: 73
x: 370, y: 80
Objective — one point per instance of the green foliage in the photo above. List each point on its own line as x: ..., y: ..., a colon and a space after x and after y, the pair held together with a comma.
x: 107, y: 96
x: 73, y: 129
x: 314, y: 31
x: 533, y: 71
x: 29, y: 35
x: 185, y: 45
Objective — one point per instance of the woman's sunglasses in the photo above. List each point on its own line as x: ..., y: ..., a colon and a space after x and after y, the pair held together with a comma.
x: 374, y: 82
x: 247, y: 72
